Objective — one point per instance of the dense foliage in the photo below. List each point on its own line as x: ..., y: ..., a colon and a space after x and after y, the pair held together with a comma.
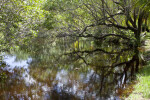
x: 23, y: 20
x: 20, y: 21
x: 34, y: 28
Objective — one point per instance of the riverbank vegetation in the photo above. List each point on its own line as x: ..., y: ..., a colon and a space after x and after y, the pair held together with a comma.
x: 38, y: 26
x: 21, y: 20
x: 142, y: 88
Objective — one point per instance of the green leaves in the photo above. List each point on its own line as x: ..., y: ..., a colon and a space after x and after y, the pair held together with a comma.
x: 144, y: 4
x: 20, y: 20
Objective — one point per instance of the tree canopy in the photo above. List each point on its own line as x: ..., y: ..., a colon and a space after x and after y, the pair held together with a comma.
x: 22, y: 20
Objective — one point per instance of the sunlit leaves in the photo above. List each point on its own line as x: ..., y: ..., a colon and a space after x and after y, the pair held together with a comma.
x: 19, y: 20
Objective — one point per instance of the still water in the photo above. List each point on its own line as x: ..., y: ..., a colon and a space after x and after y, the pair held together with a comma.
x: 66, y: 70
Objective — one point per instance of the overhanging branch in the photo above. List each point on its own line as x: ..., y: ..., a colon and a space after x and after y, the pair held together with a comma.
x: 95, y: 37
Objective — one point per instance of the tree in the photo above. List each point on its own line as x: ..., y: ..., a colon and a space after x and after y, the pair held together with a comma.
x: 125, y: 16
x: 20, y: 20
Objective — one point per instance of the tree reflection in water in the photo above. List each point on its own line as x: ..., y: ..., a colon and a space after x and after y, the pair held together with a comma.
x: 69, y: 71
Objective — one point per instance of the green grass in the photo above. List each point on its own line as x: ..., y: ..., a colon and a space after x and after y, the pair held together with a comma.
x: 142, y: 88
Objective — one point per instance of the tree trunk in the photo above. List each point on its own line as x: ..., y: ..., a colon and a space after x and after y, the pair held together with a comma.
x: 137, y: 33
x: 138, y: 38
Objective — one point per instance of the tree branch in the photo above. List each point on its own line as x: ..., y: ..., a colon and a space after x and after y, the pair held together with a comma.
x: 96, y: 50
x: 95, y: 37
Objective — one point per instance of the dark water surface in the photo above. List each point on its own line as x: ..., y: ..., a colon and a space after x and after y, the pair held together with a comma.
x: 66, y: 70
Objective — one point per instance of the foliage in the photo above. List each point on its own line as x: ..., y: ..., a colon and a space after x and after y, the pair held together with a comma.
x: 142, y: 88
x: 20, y: 21
x: 84, y: 17
x: 144, y: 4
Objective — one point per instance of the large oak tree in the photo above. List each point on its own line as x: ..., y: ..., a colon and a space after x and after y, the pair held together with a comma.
x: 129, y: 18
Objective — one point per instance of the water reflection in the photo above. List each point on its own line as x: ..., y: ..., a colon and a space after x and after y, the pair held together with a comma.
x: 77, y: 70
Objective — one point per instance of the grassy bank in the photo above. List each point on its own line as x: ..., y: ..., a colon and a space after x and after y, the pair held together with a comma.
x: 142, y: 88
